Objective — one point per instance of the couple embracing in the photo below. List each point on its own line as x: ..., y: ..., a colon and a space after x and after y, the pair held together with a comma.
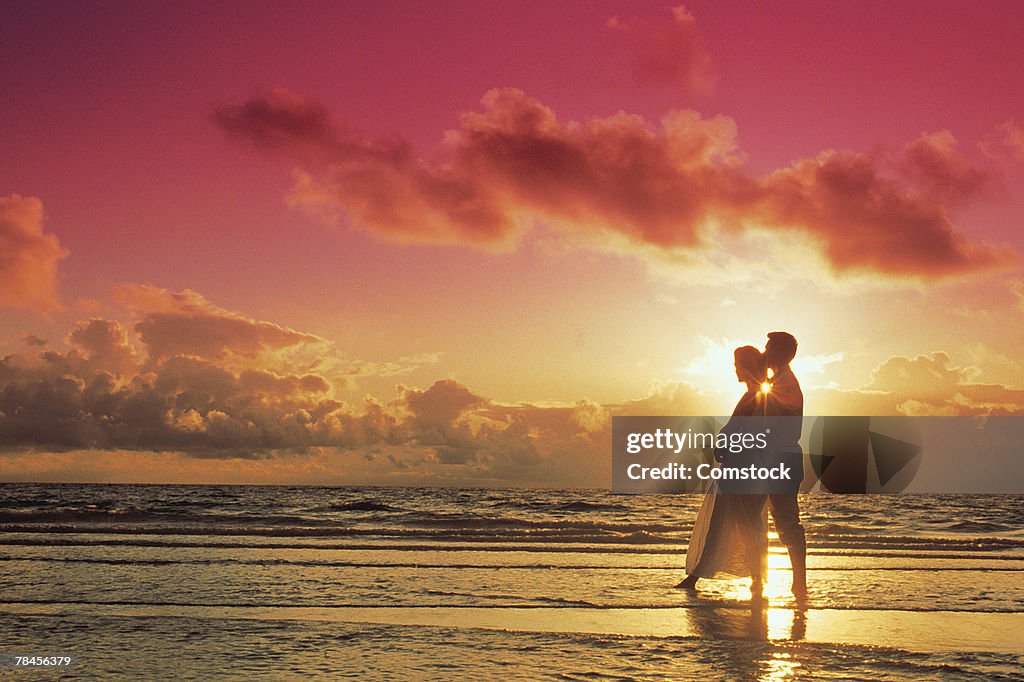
x: 730, y: 533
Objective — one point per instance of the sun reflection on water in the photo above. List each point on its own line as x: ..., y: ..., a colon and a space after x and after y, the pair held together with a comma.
x: 780, y: 666
x: 777, y: 588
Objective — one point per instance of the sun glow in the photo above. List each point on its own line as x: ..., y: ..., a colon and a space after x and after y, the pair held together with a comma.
x: 766, y: 388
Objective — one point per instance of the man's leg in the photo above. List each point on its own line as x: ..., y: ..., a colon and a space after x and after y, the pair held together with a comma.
x: 786, y: 513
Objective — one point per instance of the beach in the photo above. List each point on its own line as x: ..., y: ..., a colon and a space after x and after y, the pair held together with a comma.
x: 195, y: 582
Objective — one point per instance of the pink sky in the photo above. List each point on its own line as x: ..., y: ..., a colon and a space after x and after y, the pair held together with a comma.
x: 852, y: 173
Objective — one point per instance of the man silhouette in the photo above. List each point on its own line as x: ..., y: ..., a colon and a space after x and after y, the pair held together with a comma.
x: 785, y: 399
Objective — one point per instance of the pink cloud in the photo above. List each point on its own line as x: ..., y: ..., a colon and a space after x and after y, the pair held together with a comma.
x: 669, y: 54
x: 657, y: 186
x: 1007, y: 140
x: 28, y: 256
x: 935, y: 168
x: 185, y: 323
x: 868, y: 221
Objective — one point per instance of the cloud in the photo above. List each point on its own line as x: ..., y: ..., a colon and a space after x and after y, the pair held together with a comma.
x: 61, y: 402
x: 187, y: 376
x: 193, y: 378
x: 716, y: 358
x: 70, y: 400
x: 868, y: 221
x: 1006, y: 141
x: 927, y: 377
x: 667, y: 55
x: 933, y: 165
x: 1017, y: 290
x: 28, y: 256
x: 104, y: 345
x: 283, y: 121
x: 678, y: 398
x: 441, y: 404
x: 185, y: 323
x: 620, y: 183
x: 171, y: 324
x: 921, y: 385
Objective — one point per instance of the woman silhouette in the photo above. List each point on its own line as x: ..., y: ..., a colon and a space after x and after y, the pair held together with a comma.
x: 729, y: 535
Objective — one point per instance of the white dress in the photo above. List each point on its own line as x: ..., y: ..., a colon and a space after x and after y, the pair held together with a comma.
x: 725, y: 527
x: 729, y: 528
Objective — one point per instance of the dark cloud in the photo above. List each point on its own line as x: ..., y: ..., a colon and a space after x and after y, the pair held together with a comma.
x: 661, y: 186
x: 186, y: 404
x: 28, y: 256
x: 671, y: 54
x: 193, y: 406
x: 282, y: 121
x: 192, y: 377
x: 118, y: 390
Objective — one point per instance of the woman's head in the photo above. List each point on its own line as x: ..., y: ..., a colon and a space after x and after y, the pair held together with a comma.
x: 750, y: 365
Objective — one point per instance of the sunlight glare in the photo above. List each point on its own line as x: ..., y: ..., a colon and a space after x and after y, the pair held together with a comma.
x: 781, y: 666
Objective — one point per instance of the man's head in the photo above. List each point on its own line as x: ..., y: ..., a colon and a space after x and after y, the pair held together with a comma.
x: 780, y: 350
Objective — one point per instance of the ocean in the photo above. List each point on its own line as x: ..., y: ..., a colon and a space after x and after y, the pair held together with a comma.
x: 229, y: 582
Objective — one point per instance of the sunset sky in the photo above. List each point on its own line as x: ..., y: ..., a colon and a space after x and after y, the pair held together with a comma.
x: 441, y: 243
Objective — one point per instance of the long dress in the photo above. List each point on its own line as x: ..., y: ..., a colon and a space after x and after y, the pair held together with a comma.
x: 730, y: 532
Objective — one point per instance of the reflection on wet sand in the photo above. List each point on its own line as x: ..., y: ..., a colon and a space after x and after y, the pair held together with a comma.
x: 756, y: 623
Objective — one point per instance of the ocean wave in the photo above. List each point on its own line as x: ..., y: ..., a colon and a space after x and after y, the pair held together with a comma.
x: 133, y: 540
x: 575, y: 506
x: 314, y: 518
x: 449, y: 534
x: 498, y: 523
x: 411, y: 545
x: 980, y: 526
x: 92, y: 514
x: 567, y: 539
x: 81, y: 514
x: 362, y: 506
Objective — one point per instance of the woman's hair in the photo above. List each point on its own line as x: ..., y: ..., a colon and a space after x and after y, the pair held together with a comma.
x: 751, y: 361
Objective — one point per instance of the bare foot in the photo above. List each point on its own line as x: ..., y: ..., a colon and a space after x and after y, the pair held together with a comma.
x: 689, y: 584
x: 800, y: 590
